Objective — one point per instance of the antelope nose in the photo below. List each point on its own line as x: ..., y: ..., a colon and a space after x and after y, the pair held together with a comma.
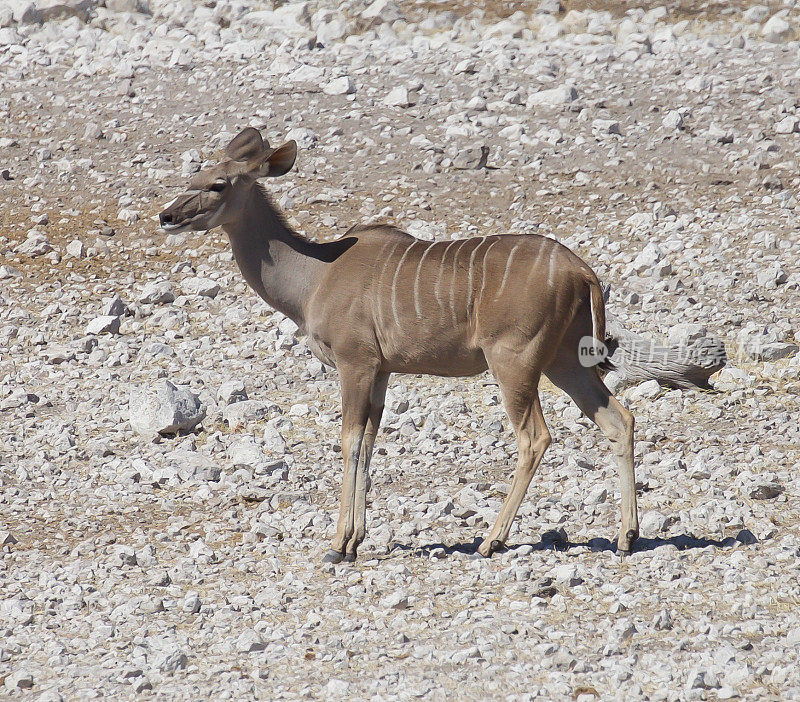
x: 165, y: 218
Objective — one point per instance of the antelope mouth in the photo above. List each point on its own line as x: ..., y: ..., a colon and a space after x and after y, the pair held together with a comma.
x: 169, y: 225
x: 172, y: 227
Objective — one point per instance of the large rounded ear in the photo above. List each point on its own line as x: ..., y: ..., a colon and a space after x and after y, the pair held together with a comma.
x: 280, y: 161
x: 247, y: 145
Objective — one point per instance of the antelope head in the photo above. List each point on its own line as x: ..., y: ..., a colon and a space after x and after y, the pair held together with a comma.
x: 217, y: 195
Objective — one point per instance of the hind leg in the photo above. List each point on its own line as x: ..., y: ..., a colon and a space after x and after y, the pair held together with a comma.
x: 519, y: 388
x: 586, y: 388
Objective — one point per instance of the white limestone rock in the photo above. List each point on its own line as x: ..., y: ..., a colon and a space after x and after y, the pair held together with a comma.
x: 787, y: 125
x: 203, y: 287
x: 158, y: 292
x: 163, y: 408
x: 777, y: 28
x: 673, y: 120
x: 36, y: 244
x: 246, y: 412
x: 105, y: 324
x: 75, y: 248
x: 343, y: 85
x: 231, y: 391
x: 249, y: 641
x: 383, y: 11
x: 7, y: 538
x: 552, y: 97
x: 400, y: 96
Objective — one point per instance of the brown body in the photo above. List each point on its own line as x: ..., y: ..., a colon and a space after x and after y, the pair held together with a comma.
x: 379, y: 301
x: 454, y: 298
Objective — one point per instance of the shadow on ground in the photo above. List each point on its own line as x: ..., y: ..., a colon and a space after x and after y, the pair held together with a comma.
x: 559, y: 541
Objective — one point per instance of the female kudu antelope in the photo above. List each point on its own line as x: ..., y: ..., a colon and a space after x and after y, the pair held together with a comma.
x: 379, y: 301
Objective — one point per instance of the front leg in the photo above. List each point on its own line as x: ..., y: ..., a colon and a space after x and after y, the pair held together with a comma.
x: 376, y: 403
x: 357, y: 386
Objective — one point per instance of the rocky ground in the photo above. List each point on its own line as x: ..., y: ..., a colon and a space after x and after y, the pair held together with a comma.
x: 660, y: 143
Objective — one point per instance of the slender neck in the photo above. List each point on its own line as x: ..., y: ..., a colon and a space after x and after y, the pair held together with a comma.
x: 281, y: 266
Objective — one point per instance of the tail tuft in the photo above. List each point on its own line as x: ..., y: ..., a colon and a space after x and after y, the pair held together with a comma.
x: 607, y: 364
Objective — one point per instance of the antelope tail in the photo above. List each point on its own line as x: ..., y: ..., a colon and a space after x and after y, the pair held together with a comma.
x: 598, y: 310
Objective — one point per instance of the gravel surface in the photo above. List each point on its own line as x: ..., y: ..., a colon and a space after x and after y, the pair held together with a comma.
x: 660, y: 144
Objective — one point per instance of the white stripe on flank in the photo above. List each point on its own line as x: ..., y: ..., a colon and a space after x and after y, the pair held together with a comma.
x: 394, y: 281
x: 532, y: 269
x: 438, y: 287
x: 469, y: 280
x: 550, y: 264
x: 379, y: 297
x: 505, y: 274
x: 416, y: 278
x: 483, y: 273
x: 453, y: 282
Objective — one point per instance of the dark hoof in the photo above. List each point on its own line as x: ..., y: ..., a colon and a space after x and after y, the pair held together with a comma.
x: 629, y: 541
x: 494, y: 547
x: 333, y: 557
x: 349, y: 558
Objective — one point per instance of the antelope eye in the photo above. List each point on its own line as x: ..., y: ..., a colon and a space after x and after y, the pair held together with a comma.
x: 218, y: 186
